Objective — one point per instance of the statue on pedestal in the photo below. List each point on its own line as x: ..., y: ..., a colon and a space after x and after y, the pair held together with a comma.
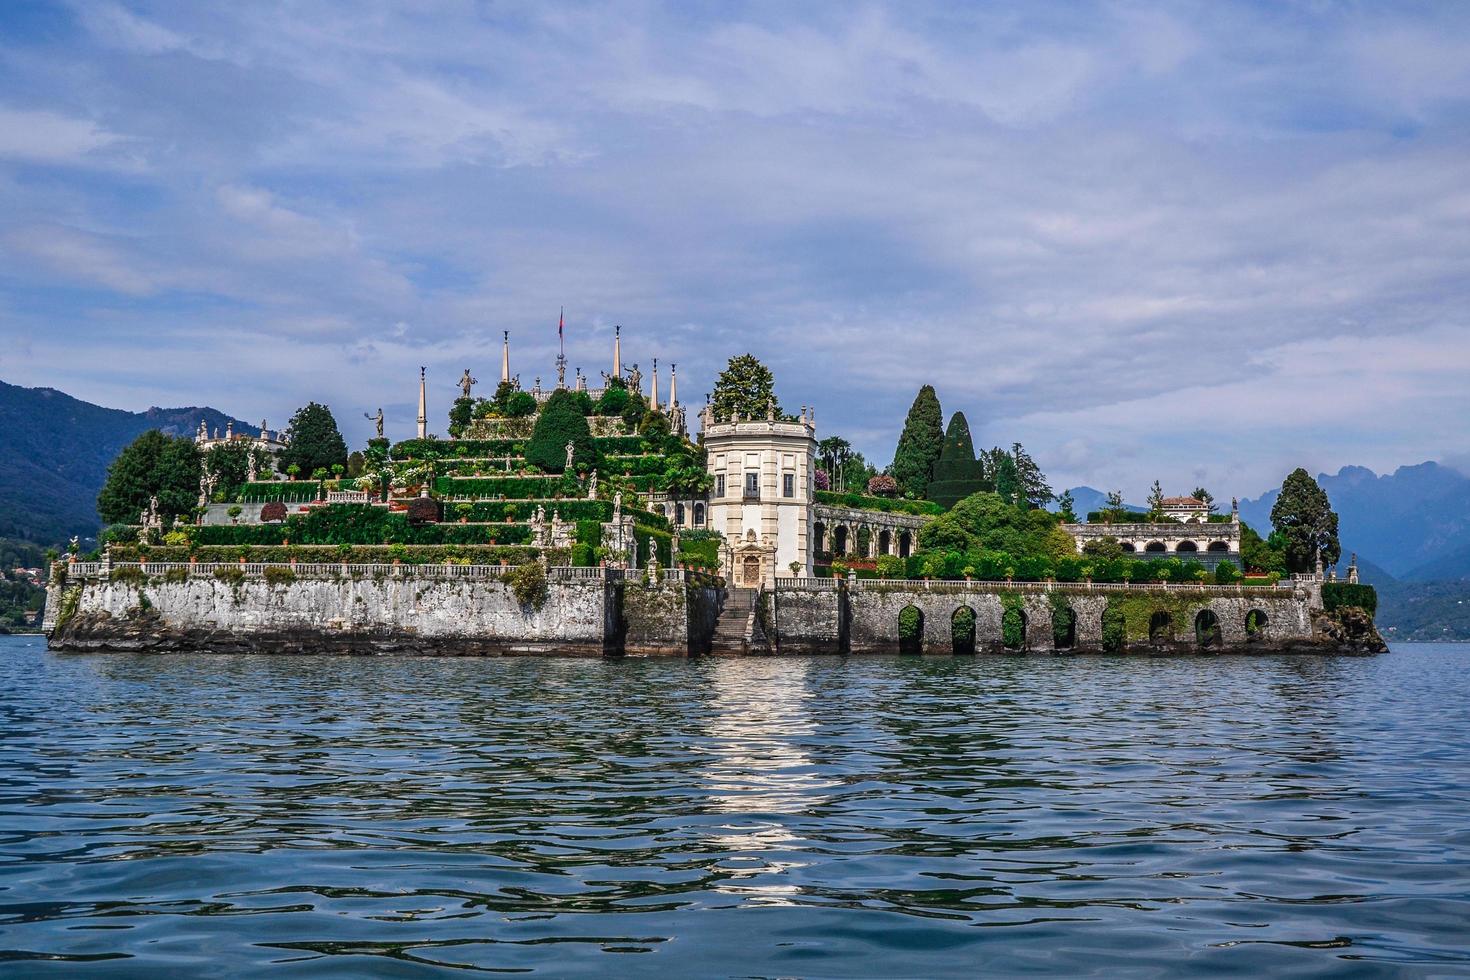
x: 378, y: 419
x: 571, y: 453
x: 592, y: 486
x: 466, y: 383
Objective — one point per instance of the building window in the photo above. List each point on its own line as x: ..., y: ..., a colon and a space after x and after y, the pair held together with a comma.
x: 720, y: 485
x: 752, y: 486
x: 788, y: 485
x: 699, y: 515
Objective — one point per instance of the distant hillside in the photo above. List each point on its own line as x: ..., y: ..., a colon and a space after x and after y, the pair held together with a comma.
x: 54, y: 453
x: 1414, y: 522
x: 1088, y: 499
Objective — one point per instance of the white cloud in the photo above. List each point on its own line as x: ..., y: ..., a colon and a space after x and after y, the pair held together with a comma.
x: 38, y: 136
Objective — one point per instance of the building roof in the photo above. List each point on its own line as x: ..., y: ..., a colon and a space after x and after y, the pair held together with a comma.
x: 1183, y: 502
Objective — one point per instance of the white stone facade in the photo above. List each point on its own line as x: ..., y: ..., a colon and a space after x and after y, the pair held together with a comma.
x: 762, y: 497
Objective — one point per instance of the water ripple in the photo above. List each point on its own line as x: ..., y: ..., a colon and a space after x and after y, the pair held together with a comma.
x: 242, y: 816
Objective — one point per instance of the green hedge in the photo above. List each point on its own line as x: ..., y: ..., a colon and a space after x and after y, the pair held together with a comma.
x: 511, y: 487
x: 422, y: 449
x: 1339, y: 595
x: 289, y: 491
x: 861, y: 501
x: 352, y: 554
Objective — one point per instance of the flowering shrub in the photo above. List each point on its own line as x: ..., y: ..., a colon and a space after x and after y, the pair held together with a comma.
x: 423, y: 510
x: 883, y: 486
x: 272, y: 512
x: 824, y: 480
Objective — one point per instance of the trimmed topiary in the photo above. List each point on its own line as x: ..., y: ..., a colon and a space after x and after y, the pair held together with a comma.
x: 424, y: 510
x: 561, y: 421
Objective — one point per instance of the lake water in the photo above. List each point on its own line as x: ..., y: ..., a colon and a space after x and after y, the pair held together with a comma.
x: 303, y: 817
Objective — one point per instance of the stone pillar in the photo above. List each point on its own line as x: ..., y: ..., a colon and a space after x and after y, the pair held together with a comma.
x: 423, y: 407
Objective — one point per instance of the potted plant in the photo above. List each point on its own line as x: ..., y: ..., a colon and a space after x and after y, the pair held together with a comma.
x: 968, y: 571
x: 794, y: 566
x: 235, y: 511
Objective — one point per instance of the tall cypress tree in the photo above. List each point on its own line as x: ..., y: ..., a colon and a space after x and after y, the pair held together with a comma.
x: 957, y: 474
x: 920, y: 444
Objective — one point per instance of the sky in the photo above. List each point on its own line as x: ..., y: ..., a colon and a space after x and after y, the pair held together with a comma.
x: 1199, y: 242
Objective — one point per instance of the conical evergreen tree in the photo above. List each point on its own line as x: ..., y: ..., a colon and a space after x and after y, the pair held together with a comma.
x: 920, y: 444
x: 958, y: 473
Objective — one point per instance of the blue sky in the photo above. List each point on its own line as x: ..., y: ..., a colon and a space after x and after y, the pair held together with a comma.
x: 1201, y: 242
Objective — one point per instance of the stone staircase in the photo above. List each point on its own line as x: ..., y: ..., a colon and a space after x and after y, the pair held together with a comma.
x: 736, y: 622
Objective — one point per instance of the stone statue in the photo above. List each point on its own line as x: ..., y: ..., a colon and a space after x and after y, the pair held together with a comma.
x: 635, y: 379
x: 571, y: 453
x: 378, y: 419
x: 252, y: 473
x: 467, y: 383
x: 203, y: 431
x: 618, y: 507
x: 263, y: 429
x: 770, y: 409
x: 592, y: 486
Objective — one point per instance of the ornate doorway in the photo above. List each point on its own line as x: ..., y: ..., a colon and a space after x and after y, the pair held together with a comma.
x: 750, y: 572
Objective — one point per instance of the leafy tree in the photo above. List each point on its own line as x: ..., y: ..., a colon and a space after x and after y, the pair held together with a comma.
x: 561, y: 421
x: 151, y: 465
x: 1156, y: 502
x: 460, y: 415
x: 501, y: 400
x: 745, y: 390
x: 1114, y: 508
x: 355, y: 465
x: 1034, y: 488
x: 1105, y: 548
x: 1066, y: 507
x: 920, y: 444
x: 957, y: 473
x: 614, y: 398
x: 832, y: 452
x: 988, y: 522
x: 1264, y: 555
x: 1304, y: 517
x: 520, y: 404
x: 1200, y: 493
x: 230, y: 463
x: 1005, y: 478
x: 315, y: 440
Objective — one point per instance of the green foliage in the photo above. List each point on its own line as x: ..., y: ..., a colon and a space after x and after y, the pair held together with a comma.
x: 890, y: 566
x: 1156, y: 502
x: 1340, y: 595
x: 1105, y: 548
x: 1265, y: 556
x: 462, y: 554
x: 151, y: 465
x: 1227, y: 574
x: 986, y: 522
x: 230, y: 463
x: 583, y: 555
x: 357, y: 524
x: 1066, y: 508
x: 745, y: 390
x: 230, y: 574
x: 1004, y: 477
x: 962, y: 630
x: 460, y: 415
x: 1012, y: 623
x: 279, y: 575
x: 861, y: 501
x: 1114, y: 630
x: 297, y: 491
x: 315, y: 440
x: 1304, y: 517
x: 910, y: 628
x: 560, y: 422
x: 356, y: 462
x: 520, y: 404
x: 613, y: 400
x: 957, y: 473
x: 919, y: 445
x: 528, y: 583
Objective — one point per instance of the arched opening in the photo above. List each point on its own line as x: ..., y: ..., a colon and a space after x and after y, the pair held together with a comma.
x: 864, y: 540
x: 1186, y: 547
x: 1255, y: 625
x: 904, y: 543
x: 1160, y: 627
x: 1013, y: 628
x: 1207, y: 628
x: 751, y: 572
x: 1063, y: 628
x: 962, y: 630
x: 910, y: 630
x: 1114, y: 631
x: 1155, y: 547
x: 885, y: 542
x: 699, y: 515
x: 839, y: 541
x: 664, y: 510
x: 1128, y: 546
x: 679, y: 515
x: 1218, y: 546
x: 820, y: 531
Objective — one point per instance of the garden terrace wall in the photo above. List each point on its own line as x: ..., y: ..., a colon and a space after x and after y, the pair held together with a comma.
x: 443, y: 610
x: 815, y: 615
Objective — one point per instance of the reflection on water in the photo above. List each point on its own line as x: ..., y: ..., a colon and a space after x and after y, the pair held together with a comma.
x: 228, y: 816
